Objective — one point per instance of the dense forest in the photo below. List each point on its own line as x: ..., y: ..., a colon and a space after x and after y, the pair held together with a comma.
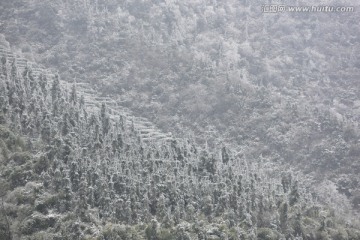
x: 199, y: 119
x: 68, y: 172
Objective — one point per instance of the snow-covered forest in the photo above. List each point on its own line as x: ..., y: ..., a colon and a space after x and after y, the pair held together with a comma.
x: 183, y: 120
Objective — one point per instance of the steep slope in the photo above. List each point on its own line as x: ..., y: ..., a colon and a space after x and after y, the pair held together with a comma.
x: 281, y: 87
x: 83, y: 174
x: 147, y: 130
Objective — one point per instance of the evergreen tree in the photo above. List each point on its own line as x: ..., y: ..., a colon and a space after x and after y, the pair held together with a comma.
x: 73, y: 94
x: 43, y: 85
x: 46, y: 130
x: 4, y: 68
x: 55, y: 90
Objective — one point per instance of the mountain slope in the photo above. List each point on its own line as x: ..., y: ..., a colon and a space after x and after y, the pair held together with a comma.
x: 282, y: 87
x: 82, y: 174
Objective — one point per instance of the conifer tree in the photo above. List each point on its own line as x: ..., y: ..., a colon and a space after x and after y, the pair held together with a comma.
x: 43, y: 84
x: 46, y: 130
x: 4, y: 68
x: 73, y: 94
x: 14, y: 74
x: 55, y: 90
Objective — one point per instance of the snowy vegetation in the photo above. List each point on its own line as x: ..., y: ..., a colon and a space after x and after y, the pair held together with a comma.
x: 70, y: 174
x: 193, y: 119
x: 282, y: 87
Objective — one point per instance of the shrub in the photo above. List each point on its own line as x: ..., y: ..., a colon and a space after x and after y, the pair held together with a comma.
x: 20, y: 143
x: 42, y: 205
x: 21, y: 157
x: 165, y: 234
x: 3, y: 151
x: 339, y: 234
x: 41, y: 164
x: 4, y: 132
x: 115, y: 232
x: 8, y: 137
x: 4, y: 187
x: 19, y: 177
x: 233, y: 234
x: 23, y: 197
x: 353, y: 234
x: 267, y: 234
x: 37, y: 222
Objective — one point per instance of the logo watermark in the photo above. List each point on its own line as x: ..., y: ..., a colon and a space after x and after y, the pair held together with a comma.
x: 274, y: 8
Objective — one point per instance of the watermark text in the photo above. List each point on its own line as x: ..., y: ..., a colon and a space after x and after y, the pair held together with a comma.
x: 274, y: 8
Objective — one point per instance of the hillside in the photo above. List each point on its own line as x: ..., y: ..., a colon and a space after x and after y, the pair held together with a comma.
x: 73, y: 171
x: 281, y: 88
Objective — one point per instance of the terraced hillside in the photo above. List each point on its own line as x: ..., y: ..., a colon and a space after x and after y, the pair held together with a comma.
x: 93, y: 100
x: 84, y: 172
x: 281, y: 87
